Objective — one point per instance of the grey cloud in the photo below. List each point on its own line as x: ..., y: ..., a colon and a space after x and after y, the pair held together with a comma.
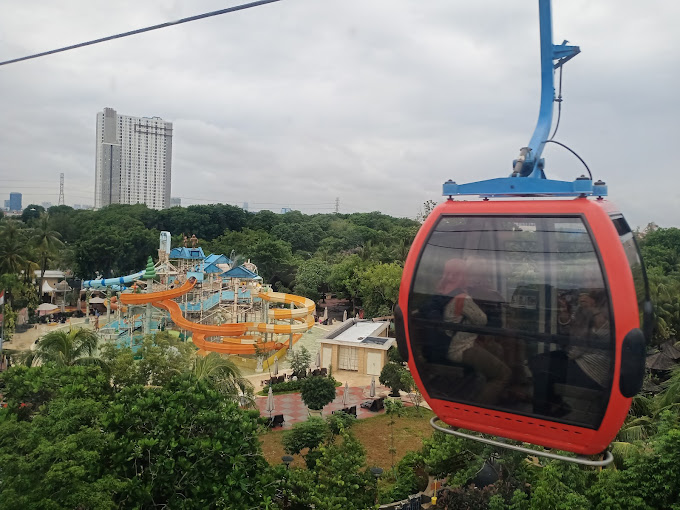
x: 377, y: 103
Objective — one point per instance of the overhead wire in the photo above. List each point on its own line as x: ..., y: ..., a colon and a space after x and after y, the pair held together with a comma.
x: 559, y: 100
x: 574, y: 153
x: 559, y: 106
x: 141, y: 30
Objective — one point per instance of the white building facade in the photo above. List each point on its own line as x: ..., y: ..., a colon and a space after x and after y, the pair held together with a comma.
x: 133, y: 160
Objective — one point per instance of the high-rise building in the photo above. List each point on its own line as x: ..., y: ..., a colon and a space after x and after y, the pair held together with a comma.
x: 134, y: 160
x: 175, y: 202
x: 15, y: 202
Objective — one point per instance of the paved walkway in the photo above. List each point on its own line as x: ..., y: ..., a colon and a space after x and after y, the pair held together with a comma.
x: 26, y: 340
x: 295, y: 411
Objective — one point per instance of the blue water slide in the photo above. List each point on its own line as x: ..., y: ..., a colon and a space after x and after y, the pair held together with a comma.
x: 111, y: 282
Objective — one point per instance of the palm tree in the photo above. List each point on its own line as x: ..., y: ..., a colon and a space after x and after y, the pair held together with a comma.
x: 13, y: 254
x: 643, y: 418
x: 225, y: 375
x: 46, y: 242
x: 66, y: 348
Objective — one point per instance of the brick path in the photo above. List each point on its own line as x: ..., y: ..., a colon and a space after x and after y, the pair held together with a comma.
x: 294, y: 410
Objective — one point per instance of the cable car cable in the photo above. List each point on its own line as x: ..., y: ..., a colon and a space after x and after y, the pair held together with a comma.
x: 142, y: 30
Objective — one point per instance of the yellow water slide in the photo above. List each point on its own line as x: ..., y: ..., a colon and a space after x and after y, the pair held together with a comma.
x: 234, y: 338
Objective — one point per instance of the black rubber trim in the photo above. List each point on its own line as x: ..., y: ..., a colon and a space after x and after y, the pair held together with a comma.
x: 400, y: 333
x: 632, y: 363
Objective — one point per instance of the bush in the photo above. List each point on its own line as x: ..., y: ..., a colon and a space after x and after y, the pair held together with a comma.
x: 307, y: 434
x: 410, y: 478
x: 299, y: 361
x: 394, y: 376
x: 340, y: 421
x: 317, y: 392
x: 394, y: 356
x: 286, y: 386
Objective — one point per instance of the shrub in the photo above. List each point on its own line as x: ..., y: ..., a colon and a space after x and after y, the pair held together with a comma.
x: 340, y: 421
x: 317, y: 392
x: 394, y: 376
x: 286, y: 386
x: 394, y: 356
x: 307, y: 434
x: 299, y: 361
x: 410, y: 478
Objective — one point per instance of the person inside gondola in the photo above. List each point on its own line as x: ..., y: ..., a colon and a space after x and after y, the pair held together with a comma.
x: 463, y: 347
x: 512, y: 351
x: 584, y: 363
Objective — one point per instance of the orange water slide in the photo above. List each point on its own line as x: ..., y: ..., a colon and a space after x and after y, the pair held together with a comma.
x: 231, y: 328
x: 305, y: 306
x: 234, y: 348
x: 235, y: 332
x: 142, y: 299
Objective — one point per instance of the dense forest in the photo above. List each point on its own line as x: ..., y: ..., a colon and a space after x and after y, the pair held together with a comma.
x: 165, y: 429
x: 357, y: 256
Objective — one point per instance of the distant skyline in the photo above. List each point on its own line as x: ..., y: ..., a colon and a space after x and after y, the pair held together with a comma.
x: 378, y: 103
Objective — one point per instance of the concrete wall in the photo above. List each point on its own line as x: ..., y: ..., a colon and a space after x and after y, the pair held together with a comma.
x: 362, y: 356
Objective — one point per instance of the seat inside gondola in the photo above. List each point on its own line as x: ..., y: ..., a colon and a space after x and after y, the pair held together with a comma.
x: 545, y: 347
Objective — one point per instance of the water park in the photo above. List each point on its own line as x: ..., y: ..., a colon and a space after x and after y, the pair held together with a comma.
x: 218, y: 305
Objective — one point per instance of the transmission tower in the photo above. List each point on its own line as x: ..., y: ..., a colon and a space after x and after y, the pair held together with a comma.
x: 337, y: 205
x: 61, y: 189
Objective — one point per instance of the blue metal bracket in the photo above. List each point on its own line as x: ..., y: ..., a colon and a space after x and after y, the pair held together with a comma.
x: 529, y: 163
x: 563, y: 53
x: 518, y: 187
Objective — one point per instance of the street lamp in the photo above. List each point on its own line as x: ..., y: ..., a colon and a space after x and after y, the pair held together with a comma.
x: 376, y: 471
x: 287, y: 459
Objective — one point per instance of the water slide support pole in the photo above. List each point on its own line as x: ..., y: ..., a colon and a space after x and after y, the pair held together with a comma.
x: 108, y: 305
x: 290, y: 338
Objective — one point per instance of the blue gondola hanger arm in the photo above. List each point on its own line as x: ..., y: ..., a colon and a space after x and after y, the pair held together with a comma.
x: 529, y: 163
x: 549, y: 54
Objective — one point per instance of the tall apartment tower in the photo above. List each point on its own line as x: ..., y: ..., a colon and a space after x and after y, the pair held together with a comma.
x: 134, y: 160
x: 15, y: 202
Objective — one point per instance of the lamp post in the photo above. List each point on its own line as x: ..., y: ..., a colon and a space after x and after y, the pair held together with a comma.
x: 287, y: 459
x: 376, y: 471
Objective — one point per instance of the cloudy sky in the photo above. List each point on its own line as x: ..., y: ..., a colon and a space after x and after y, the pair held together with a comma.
x: 375, y: 102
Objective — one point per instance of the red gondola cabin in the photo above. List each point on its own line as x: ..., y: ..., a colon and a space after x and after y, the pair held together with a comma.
x: 521, y: 319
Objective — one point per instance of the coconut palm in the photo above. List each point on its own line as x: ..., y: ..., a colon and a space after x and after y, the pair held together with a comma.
x: 47, y: 242
x: 65, y: 348
x: 644, y: 416
x: 225, y: 375
x: 13, y: 253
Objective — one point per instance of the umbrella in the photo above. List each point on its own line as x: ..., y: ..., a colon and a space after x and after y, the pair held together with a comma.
x: 97, y: 300
x: 318, y: 359
x: 270, y: 402
x: 276, y: 365
x: 345, y: 395
x: 344, y: 316
x: 372, y: 390
x: 47, y: 307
